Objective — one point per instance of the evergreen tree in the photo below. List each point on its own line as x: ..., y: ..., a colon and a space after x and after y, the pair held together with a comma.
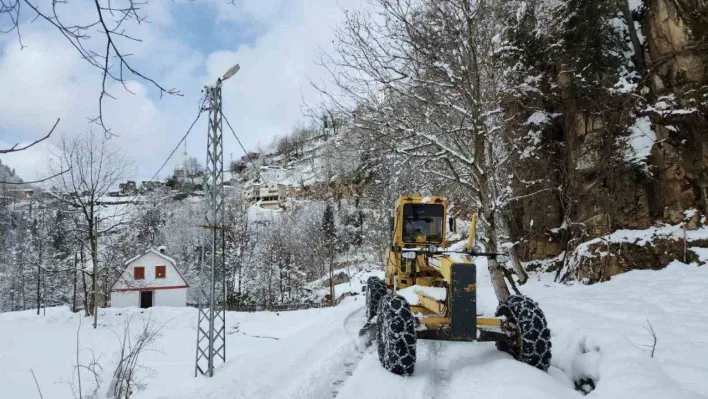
x: 592, y: 44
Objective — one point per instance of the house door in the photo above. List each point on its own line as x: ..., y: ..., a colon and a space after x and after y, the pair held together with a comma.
x: 145, y: 299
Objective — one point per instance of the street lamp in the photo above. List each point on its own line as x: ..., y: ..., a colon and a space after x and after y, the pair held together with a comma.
x: 231, y: 72
x: 228, y: 74
x: 211, y: 340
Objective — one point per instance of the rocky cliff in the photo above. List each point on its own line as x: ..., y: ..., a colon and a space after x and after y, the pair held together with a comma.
x: 625, y: 137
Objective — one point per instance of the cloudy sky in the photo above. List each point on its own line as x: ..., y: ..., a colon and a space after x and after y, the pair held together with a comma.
x: 185, y: 45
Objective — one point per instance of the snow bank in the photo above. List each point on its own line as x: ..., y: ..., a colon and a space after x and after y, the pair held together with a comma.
x: 603, y: 331
x: 358, y: 274
x: 269, y: 353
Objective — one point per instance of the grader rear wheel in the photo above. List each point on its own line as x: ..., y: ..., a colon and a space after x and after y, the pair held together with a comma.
x: 375, y: 290
x: 531, y: 341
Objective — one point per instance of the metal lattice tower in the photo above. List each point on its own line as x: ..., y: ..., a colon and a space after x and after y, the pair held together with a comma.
x: 211, y: 323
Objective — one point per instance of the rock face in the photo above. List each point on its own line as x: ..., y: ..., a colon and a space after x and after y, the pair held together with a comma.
x: 625, y: 257
x: 681, y: 159
x: 600, y: 190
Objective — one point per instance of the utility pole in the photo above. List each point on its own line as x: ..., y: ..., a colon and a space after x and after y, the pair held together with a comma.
x: 184, y: 161
x: 95, y: 276
x: 211, y: 322
x: 76, y: 275
x: 38, y: 240
x: 331, y: 278
x: 39, y: 280
x: 39, y: 229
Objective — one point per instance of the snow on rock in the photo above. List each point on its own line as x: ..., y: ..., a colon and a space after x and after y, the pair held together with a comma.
x: 640, y: 140
x: 635, y: 5
x: 411, y: 293
x: 645, y: 236
x: 544, y: 264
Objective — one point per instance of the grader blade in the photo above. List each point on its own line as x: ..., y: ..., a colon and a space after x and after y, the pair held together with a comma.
x: 367, y: 335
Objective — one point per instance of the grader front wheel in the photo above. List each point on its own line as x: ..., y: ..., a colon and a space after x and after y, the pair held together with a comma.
x: 530, y: 341
x: 396, y: 339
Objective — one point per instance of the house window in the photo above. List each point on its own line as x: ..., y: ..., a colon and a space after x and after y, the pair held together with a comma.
x: 139, y: 273
x: 160, y: 271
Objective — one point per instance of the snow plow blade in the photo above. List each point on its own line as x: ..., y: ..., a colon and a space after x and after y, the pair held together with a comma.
x: 367, y: 335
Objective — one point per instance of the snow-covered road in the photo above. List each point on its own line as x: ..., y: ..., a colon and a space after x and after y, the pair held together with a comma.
x: 312, y: 361
x: 598, y: 332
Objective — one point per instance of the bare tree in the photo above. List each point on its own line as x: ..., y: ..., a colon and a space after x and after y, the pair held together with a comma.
x: 95, y: 165
x: 194, y: 168
x: 92, y: 367
x: 428, y: 99
x: 113, y: 21
x: 125, y: 378
x: 652, y: 333
x: 330, y: 242
x: 240, y: 246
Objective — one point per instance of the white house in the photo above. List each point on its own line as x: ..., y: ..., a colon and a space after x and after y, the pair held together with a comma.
x: 150, y: 279
x: 269, y: 195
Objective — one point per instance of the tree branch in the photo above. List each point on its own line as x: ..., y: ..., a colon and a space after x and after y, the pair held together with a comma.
x: 32, y: 144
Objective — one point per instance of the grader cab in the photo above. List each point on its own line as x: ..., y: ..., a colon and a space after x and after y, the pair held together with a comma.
x: 430, y: 292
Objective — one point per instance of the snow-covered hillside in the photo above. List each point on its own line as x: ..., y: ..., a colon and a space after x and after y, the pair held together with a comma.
x: 318, y: 157
x: 599, y: 331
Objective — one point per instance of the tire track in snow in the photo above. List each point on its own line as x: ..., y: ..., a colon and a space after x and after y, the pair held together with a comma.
x: 352, y: 323
x: 438, y: 376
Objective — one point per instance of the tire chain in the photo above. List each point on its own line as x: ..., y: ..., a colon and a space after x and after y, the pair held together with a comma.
x: 396, y: 335
x: 535, y: 334
x: 375, y: 290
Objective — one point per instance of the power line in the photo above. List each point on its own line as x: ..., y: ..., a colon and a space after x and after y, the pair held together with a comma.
x: 178, y: 144
x: 243, y: 148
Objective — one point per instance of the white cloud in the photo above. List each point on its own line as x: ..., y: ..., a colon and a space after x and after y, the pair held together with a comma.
x: 29, y: 164
x: 265, y: 98
x: 47, y: 80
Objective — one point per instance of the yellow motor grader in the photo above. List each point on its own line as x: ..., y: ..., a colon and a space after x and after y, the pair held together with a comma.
x: 429, y: 292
